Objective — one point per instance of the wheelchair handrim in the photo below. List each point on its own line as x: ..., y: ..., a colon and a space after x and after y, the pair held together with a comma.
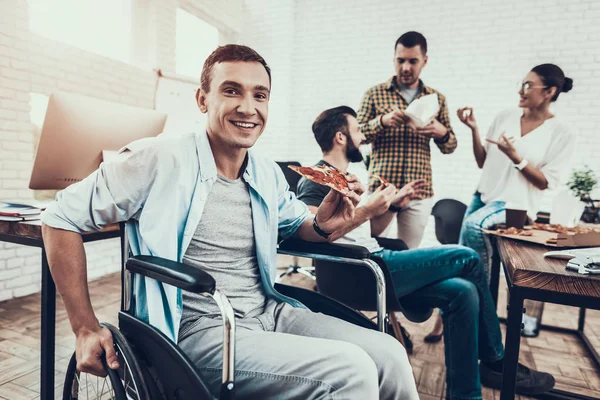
x: 117, y: 385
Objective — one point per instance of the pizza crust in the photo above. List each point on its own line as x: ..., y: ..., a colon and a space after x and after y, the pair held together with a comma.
x: 383, y: 181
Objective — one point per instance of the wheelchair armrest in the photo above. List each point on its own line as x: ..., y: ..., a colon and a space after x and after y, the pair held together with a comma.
x: 303, y: 248
x: 391, y: 244
x: 174, y: 273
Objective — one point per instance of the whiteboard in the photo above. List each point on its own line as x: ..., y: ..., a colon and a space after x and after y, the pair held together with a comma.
x: 175, y: 96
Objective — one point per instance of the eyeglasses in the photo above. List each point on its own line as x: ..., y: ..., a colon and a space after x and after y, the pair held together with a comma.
x: 525, y: 86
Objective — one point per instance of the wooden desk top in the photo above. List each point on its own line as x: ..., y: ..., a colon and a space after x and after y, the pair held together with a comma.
x: 527, y: 267
x: 33, y: 229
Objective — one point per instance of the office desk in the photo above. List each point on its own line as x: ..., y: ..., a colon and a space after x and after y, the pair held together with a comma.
x: 30, y: 234
x: 531, y: 276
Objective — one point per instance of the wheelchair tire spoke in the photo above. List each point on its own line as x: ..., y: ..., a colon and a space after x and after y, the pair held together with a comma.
x: 102, y: 390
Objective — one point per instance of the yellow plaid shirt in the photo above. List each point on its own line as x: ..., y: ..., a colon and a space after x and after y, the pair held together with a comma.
x: 400, y: 155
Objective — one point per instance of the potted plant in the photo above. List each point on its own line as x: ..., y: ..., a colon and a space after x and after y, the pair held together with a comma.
x: 582, y: 183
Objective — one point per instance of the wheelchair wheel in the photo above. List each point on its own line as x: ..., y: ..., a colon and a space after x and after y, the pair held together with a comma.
x: 125, y: 383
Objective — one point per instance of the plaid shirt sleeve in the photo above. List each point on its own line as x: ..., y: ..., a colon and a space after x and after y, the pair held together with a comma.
x: 369, y: 121
x: 448, y: 145
x: 398, y: 153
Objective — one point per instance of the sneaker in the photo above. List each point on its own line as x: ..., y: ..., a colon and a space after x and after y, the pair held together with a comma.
x: 529, y: 381
x: 433, y: 338
x: 530, y: 326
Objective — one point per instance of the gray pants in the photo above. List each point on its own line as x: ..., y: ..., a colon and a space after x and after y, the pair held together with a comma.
x: 289, y: 353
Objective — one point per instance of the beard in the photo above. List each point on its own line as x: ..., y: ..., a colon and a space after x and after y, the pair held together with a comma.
x: 407, y: 80
x: 353, y: 153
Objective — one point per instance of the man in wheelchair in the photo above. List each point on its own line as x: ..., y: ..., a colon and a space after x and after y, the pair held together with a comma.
x: 448, y: 277
x: 208, y: 200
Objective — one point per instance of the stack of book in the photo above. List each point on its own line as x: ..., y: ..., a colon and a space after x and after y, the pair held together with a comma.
x: 543, y: 217
x: 19, y: 212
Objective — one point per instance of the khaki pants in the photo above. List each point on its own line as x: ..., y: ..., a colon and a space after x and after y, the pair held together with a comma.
x: 411, y: 222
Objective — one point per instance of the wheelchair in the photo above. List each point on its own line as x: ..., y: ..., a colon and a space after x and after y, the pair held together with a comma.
x: 151, y: 366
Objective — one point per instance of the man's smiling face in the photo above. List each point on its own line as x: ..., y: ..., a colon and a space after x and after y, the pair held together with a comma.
x: 237, y: 104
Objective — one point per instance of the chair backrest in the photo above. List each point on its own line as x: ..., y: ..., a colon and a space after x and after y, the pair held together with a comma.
x: 449, y: 214
x: 291, y: 177
x: 355, y: 287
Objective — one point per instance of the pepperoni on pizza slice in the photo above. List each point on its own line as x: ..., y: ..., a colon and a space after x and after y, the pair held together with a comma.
x: 324, y: 175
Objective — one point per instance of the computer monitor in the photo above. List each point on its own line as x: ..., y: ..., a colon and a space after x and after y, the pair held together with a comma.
x: 77, y: 129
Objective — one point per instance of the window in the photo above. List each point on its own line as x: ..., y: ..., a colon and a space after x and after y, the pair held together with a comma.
x: 195, y: 41
x: 102, y: 27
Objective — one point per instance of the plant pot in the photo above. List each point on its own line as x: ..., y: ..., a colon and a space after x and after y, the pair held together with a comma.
x: 591, y: 213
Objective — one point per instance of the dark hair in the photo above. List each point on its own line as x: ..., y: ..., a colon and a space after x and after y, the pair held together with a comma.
x: 552, y: 76
x: 329, y: 122
x: 412, y: 39
x: 229, y: 53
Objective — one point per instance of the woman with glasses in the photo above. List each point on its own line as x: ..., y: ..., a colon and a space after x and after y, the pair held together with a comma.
x: 525, y: 151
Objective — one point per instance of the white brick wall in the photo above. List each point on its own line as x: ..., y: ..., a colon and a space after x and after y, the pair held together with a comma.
x: 31, y: 63
x: 477, y: 53
x: 323, y: 54
x: 269, y: 29
x: 225, y: 16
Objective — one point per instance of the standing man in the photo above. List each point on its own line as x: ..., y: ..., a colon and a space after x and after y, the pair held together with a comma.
x: 401, y: 152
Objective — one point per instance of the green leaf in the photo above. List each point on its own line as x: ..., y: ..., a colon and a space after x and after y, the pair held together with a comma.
x: 582, y: 182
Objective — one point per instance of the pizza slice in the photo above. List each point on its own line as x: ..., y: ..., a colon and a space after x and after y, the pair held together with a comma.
x: 383, y: 181
x: 324, y: 175
x: 515, y: 231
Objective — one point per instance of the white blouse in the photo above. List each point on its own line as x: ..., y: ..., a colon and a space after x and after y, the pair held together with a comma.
x: 548, y: 148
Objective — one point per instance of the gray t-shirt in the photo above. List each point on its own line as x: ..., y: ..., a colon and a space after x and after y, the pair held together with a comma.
x: 409, y: 94
x: 223, y: 245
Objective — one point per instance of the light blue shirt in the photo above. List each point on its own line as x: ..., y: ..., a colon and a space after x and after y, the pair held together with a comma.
x: 159, y: 186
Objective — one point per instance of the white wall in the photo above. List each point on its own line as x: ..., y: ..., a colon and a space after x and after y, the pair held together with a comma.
x: 478, y: 50
x: 31, y: 63
x: 268, y: 27
x: 323, y: 54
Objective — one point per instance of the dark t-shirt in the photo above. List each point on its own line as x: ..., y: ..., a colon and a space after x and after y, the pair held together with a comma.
x: 311, y: 193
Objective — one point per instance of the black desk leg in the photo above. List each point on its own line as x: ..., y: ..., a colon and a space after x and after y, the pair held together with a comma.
x: 47, y: 331
x: 581, y: 322
x: 586, y: 341
x: 513, y: 342
x: 495, y: 274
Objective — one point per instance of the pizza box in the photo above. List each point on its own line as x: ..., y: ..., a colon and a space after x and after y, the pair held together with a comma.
x: 554, y: 239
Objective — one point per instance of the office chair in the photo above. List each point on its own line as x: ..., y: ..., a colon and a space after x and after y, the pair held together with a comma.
x: 352, y: 276
x: 448, y: 214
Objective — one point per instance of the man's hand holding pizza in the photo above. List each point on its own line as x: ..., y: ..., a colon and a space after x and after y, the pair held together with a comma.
x: 337, y: 209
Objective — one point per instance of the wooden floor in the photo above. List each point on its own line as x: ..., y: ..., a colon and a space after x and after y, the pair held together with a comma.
x: 561, y: 355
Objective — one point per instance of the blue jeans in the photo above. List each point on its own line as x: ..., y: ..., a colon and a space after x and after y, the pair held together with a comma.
x: 451, y: 278
x: 477, y: 217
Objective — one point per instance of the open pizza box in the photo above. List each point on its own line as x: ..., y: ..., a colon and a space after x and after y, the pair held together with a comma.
x: 554, y: 239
